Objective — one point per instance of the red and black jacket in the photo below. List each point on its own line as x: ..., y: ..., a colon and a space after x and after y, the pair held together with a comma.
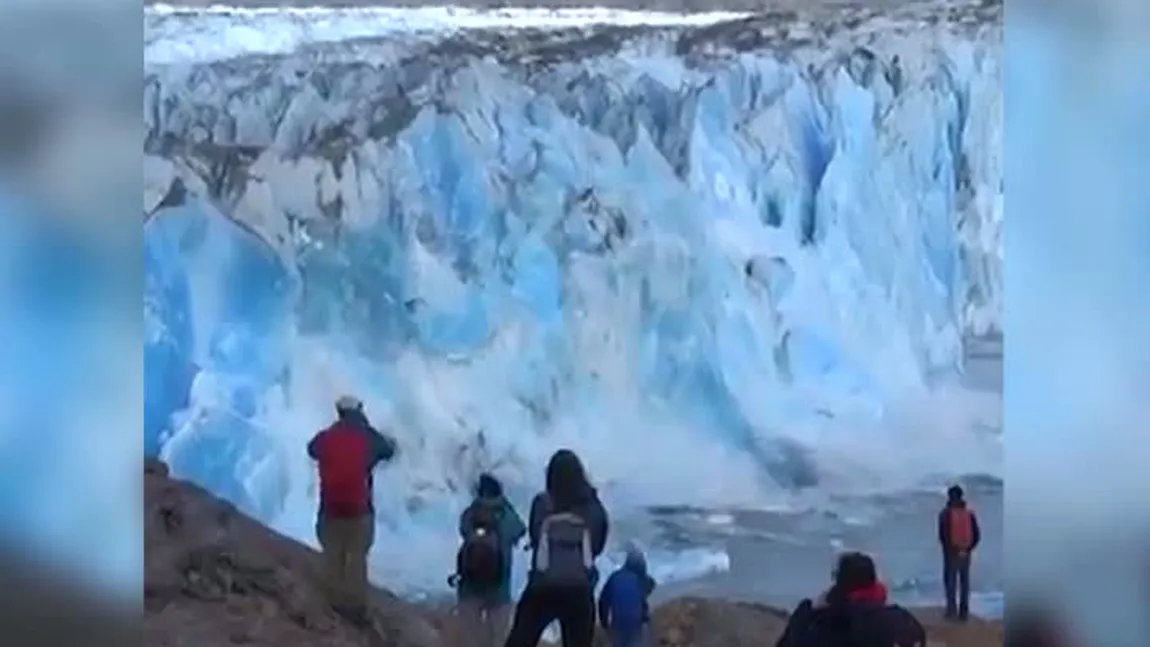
x: 347, y: 452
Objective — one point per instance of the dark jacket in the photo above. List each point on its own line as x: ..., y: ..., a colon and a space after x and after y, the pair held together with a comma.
x: 853, y: 623
x: 944, y: 526
x: 382, y: 448
x: 511, y: 530
x: 587, y: 506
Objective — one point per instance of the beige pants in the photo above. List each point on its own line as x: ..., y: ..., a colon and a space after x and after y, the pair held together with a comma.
x: 481, y: 625
x: 345, y: 544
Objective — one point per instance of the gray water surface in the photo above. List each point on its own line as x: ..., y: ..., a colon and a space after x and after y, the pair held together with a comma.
x: 780, y: 558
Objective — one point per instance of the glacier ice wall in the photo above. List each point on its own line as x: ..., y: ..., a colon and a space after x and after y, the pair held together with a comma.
x: 744, y: 257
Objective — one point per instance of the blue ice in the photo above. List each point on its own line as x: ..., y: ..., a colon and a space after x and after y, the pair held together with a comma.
x: 219, y: 305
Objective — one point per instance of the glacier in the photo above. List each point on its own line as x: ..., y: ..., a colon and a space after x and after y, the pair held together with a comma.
x: 733, y: 265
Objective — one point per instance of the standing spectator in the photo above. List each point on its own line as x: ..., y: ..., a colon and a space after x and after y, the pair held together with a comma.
x: 568, y: 529
x: 346, y: 453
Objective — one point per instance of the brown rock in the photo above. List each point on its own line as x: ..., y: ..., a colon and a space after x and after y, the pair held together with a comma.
x: 718, y: 623
x: 214, y: 577
x: 692, y: 622
x: 155, y: 467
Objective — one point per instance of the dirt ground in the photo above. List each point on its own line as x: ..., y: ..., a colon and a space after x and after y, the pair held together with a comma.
x: 715, y: 623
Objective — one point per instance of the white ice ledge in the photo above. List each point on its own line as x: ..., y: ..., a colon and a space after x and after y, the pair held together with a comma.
x: 181, y: 34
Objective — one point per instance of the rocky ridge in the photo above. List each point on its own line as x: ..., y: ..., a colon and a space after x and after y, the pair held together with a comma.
x: 216, y: 577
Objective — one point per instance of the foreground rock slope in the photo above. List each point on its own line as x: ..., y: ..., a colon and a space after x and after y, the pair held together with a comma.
x: 714, y: 623
x: 215, y: 577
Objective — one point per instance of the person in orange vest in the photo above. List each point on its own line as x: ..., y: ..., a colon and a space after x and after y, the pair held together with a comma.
x: 959, y: 535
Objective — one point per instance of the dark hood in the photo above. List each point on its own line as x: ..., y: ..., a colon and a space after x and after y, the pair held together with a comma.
x: 496, y: 502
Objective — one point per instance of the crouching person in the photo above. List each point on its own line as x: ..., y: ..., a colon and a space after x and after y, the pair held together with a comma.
x: 624, y: 606
x: 854, y: 611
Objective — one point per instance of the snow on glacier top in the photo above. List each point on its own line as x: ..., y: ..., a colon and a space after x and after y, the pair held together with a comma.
x: 189, y: 35
x: 216, y: 32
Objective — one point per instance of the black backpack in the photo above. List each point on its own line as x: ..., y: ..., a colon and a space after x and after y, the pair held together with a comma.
x: 479, y: 562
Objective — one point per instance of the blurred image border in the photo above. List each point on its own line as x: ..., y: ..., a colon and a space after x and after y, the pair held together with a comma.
x: 1077, y: 155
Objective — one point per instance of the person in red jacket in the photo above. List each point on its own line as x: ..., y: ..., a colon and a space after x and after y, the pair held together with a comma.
x: 959, y: 535
x: 854, y: 611
x: 346, y: 453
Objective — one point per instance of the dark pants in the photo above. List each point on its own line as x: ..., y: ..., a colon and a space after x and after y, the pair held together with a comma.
x: 539, y: 606
x: 345, y: 544
x: 956, y: 579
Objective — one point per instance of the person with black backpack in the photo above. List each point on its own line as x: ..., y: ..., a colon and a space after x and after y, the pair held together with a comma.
x: 568, y: 530
x: 489, y: 527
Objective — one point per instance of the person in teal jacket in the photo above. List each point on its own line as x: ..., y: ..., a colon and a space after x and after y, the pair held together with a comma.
x: 485, y: 615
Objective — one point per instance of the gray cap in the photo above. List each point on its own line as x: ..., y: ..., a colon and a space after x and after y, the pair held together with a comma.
x: 634, y: 557
x: 348, y: 403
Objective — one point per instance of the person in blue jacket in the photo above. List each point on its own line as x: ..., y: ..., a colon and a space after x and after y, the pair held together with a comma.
x: 624, y: 607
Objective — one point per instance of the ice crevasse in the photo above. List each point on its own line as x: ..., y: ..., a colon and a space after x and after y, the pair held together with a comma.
x: 725, y: 263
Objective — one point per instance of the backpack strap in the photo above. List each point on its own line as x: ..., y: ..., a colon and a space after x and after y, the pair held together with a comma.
x: 588, y: 561
x: 543, y: 550
x: 540, y: 557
